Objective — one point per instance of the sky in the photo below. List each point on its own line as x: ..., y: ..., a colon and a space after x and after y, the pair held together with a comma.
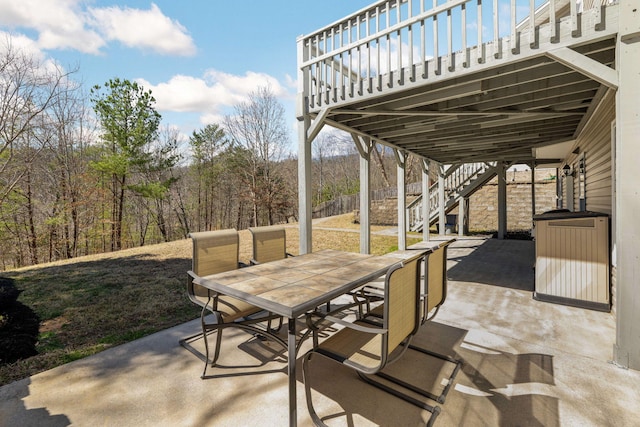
x: 198, y: 58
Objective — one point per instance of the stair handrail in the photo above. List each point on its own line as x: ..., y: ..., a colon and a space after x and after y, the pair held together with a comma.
x: 456, y: 179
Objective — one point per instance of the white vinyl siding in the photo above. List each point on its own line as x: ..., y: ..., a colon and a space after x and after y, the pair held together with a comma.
x: 595, y: 142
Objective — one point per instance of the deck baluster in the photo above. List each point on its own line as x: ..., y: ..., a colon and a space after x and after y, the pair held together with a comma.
x: 451, y: 61
x: 533, y: 28
x: 423, y: 43
x: 497, y: 40
x: 575, y: 18
x: 389, y: 69
x: 350, y: 57
x: 465, y: 51
x: 515, y: 34
x: 480, y: 44
x: 436, y: 55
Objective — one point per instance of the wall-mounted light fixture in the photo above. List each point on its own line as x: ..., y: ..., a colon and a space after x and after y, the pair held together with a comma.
x: 566, y: 170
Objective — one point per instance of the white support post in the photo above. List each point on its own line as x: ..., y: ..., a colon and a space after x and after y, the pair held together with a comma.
x: 304, y: 187
x: 426, y: 208
x: 442, y: 218
x: 627, y: 200
x: 533, y: 192
x: 364, y: 146
x: 304, y: 157
x: 462, y: 209
x: 502, y: 200
x: 401, y: 160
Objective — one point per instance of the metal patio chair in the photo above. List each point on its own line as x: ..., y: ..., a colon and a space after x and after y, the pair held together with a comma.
x: 433, y: 295
x: 216, y: 252
x: 369, y: 344
x: 435, y: 287
x: 269, y: 244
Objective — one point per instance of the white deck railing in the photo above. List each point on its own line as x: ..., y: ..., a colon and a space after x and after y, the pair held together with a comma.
x: 456, y: 179
x: 395, y: 41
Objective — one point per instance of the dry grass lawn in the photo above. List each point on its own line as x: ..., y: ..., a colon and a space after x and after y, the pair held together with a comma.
x: 88, y: 304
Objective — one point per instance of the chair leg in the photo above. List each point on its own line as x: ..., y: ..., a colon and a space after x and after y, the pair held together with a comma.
x: 216, y: 350
x: 434, y: 410
x: 183, y: 341
x: 438, y: 398
x: 274, y: 330
x: 458, y: 364
x: 307, y: 390
x: 206, y: 350
x: 203, y: 324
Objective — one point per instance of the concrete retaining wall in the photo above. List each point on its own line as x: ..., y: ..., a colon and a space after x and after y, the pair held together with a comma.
x: 483, y: 205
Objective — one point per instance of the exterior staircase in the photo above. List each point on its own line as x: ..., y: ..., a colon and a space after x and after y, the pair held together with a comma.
x: 459, y: 181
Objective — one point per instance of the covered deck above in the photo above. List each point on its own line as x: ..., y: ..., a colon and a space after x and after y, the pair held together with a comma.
x: 460, y: 81
x: 469, y: 81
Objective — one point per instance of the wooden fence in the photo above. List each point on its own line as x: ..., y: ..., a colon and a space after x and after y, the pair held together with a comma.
x: 351, y: 202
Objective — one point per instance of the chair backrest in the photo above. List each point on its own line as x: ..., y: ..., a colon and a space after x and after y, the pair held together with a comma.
x: 402, y: 301
x: 213, y: 252
x: 436, y: 286
x: 269, y: 243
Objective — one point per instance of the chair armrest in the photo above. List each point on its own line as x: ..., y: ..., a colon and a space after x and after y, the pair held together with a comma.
x: 211, y: 294
x: 364, y: 296
x: 355, y: 326
x: 371, y: 292
x: 329, y: 318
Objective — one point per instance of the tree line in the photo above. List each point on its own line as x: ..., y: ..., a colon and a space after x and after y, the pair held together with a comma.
x: 90, y: 172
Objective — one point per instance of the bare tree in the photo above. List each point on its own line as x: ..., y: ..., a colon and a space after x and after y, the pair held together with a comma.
x: 158, y: 177
x: 27, y: 89
x: 259, y: 127
x: 71, y: 211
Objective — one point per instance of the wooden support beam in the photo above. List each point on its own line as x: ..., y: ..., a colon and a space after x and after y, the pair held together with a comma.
x: 585, y: 65
x: 401, y: 160
x: 426, y: 208
x: 502, y: 200
x: 364, y: 147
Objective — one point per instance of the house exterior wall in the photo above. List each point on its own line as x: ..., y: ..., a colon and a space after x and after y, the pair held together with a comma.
x: 594, y: 143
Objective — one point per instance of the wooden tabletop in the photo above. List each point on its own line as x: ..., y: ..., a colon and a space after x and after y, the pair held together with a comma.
x: 292, y: 286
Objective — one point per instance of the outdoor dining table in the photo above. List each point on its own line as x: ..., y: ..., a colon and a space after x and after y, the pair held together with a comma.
x: 294, y: 286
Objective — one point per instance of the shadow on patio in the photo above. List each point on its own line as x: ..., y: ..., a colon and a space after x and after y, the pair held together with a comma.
x: 525, y: 363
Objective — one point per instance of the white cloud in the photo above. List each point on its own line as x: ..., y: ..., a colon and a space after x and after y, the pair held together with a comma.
x: 291, y: 82
x: 207, y: 119
x: 60, y: 24
x: 212, y: 95
x: 69, y: 24
x: 21, y: 43
x: 146, y: 29
x: 31, y: 52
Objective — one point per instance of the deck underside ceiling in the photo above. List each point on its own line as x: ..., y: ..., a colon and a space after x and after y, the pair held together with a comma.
x: 494, y: 114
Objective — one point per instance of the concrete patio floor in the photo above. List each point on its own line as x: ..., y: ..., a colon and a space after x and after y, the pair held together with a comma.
x: 526, y: 363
